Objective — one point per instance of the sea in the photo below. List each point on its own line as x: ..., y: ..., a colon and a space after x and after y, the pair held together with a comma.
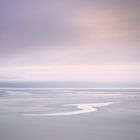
x: 69, y: 111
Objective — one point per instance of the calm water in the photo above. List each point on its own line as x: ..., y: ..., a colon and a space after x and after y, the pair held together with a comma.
x: 116, y: 121
x: 68, y: 85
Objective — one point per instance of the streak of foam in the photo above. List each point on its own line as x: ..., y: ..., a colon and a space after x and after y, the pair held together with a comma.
x: 83, y: 108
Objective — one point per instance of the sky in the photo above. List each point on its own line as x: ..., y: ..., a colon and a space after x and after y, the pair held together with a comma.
x: 70, y: 40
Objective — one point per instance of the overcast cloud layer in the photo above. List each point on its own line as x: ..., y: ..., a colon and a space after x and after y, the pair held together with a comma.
x: 69, y: 32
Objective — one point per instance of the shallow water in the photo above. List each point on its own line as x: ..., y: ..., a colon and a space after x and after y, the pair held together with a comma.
x: 119, y: 120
